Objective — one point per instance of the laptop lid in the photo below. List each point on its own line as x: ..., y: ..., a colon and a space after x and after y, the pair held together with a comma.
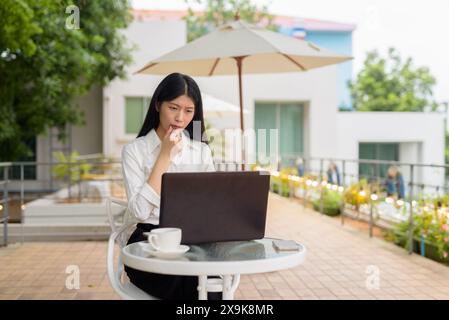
x: 215, y: 206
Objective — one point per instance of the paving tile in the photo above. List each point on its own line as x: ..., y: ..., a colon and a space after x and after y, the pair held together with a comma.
x: 263, y: 285
x: 251, y: 294
x: 346, y: 297
x: 269, y: 294
x: 311, y: 297
x: 10, y: 291
x: 66, y: 296
x: 287, y: 293
x: 340, y: 291
x: 9, y: 296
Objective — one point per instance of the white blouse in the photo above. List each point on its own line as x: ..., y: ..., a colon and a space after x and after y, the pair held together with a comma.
x: 138, y: 159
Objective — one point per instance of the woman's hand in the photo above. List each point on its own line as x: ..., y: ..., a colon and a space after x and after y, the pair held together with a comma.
x: 169, y: 148
x: 171, y: 143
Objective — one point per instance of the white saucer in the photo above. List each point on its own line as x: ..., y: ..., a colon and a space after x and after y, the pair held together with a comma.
x: 166, y: 254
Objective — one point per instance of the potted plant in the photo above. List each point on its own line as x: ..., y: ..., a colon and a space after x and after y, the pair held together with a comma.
x: 70, y: 169
x: 63, y: 169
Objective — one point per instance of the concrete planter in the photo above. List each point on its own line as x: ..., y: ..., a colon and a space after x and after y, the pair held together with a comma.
x: 50, y: 211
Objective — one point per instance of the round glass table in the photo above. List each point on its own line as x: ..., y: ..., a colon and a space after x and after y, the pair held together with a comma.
x: 228, y: 259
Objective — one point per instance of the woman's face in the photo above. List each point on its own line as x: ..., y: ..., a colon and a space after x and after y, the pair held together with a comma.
x: 177, y: 113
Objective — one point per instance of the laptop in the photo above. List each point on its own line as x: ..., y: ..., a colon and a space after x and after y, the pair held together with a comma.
x: 215, y: 206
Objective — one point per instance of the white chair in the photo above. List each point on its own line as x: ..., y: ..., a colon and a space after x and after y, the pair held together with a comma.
x: 113, y: 219
x: 118, y: 278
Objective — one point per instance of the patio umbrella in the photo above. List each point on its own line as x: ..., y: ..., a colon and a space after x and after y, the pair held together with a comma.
x: 236, y: 44
x: 218, y: 108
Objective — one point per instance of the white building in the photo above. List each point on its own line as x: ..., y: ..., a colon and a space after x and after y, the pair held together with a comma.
x: 303, y: 106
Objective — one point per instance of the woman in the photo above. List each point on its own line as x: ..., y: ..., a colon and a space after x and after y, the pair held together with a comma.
x: 167, y: 142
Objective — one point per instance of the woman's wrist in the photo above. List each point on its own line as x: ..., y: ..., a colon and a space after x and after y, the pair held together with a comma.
x: 164, y: 157
x: 161, y: 165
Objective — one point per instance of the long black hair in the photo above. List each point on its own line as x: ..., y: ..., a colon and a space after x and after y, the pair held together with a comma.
x: 170, y: 88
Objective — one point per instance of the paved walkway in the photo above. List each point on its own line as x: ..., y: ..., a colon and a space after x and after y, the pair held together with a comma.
x: 342, y: 263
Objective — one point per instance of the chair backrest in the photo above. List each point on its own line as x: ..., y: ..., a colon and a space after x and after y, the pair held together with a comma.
x: 124, y: 288
x: 114, y: 219
x: 117, y: 277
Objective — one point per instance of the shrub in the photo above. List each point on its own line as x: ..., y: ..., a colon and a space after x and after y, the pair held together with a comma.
x: 332, y: 202
x: 281, y: 184
x: 352, y: 194
x: 433, y: 226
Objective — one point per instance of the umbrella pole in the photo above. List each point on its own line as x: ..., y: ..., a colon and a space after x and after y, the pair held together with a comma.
x: 239, y: 67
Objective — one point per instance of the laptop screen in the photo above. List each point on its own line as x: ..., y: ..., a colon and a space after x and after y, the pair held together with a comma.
x: 215, y: 206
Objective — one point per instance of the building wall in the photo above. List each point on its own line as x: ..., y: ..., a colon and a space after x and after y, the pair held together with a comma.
x: 411, y: 152
x: 420, y: 136
x: 88, y: 139
x: 339, y: 42
x: 153, y: 39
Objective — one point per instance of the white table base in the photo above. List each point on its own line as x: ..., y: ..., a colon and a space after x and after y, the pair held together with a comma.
x: 227, y: 285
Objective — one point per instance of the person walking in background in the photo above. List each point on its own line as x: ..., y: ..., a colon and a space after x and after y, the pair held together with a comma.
x: 395, y: 183
x: 300, y: 166
x: 333, y: 175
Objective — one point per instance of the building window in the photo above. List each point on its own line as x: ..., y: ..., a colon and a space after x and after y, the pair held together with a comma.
x: 288, y: 119
x: 135, y: 111
x: 377, y: 151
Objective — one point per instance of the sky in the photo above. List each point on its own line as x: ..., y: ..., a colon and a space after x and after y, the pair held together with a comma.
x: 418, y: 29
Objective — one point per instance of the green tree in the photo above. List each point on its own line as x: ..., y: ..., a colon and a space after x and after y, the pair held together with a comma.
x: 390, y: 84
x: 46, y: 62
x: 218, y: 12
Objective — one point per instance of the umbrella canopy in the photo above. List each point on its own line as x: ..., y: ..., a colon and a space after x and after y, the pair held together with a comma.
x: 215, y: 107
x: 236, y: 44
x: 264, y: 52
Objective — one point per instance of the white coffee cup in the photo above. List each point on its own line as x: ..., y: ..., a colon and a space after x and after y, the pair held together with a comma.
x: 165, y: 239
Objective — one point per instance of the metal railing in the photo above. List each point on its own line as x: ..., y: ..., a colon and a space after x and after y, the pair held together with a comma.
x: 416, y: 182
x: 71, y: 187
x: 20, y: 190
x: 4, y: 202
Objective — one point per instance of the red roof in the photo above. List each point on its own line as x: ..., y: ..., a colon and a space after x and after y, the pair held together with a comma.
x: 285, y: 21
